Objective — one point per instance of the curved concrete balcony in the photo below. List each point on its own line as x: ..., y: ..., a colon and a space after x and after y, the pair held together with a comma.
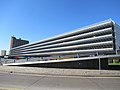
x: 89, y: 28
x: 82, y: 41
x: 67, y: 52
x: 81, y: 36
x: 75, y: 47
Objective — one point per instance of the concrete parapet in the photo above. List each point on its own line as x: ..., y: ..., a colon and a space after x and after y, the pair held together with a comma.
x: 59, y: 72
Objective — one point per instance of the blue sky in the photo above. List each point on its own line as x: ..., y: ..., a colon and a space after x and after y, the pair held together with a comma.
x: 35, y: 20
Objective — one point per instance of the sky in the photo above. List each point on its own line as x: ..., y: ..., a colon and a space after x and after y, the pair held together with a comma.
x: 35, y: 20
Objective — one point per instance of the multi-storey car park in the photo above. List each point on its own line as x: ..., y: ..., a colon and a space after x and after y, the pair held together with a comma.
x: 82, y: 48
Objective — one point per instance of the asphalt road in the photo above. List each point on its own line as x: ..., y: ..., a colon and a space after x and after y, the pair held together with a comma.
x: 10, y: 81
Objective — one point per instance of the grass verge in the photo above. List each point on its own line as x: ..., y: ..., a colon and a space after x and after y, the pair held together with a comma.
x: 114, y: 64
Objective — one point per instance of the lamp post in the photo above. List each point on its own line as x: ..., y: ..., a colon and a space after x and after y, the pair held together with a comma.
x: 99, y: 61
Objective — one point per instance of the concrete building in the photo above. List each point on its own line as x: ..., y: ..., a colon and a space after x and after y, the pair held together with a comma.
x: 100, y: 39
x: 3, y: 53
x: 17, y: 42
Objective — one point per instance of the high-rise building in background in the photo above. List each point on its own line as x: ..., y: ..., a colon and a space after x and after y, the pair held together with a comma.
x: 17, y: 42
x: 2, y: 52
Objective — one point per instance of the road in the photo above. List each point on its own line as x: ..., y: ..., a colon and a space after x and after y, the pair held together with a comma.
x: 10, y: 81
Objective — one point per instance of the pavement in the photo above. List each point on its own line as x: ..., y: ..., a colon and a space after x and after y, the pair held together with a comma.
x: 12, y: 81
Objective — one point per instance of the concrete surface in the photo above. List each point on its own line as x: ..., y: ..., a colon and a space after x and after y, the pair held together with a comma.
x: 60, y: 72
x: 10, y: 81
